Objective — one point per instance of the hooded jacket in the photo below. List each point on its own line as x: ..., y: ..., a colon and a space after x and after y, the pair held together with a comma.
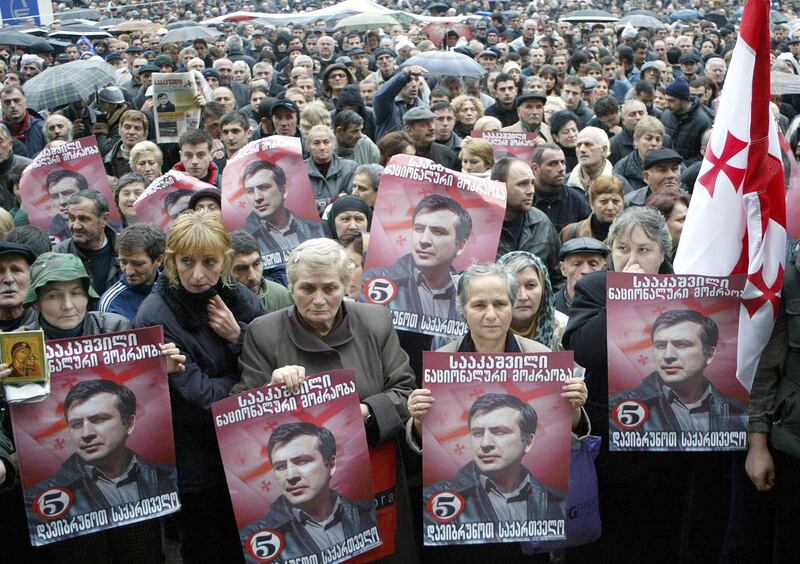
x: 351, y: 96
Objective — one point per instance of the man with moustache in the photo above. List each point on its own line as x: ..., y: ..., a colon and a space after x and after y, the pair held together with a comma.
x: 15, y: 281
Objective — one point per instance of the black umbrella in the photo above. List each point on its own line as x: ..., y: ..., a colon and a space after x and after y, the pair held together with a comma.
x: 27, y: 28
x: 81, y: 14
x: 719, y: 20
x: 178, y: 25
x: 17, y: 39
x: 589, y: 16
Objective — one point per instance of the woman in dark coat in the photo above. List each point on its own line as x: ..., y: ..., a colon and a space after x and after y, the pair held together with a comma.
x: 205, y: 312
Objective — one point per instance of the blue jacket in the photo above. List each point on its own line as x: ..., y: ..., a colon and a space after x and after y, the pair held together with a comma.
x: 389, y: 108
x: 124, y: 299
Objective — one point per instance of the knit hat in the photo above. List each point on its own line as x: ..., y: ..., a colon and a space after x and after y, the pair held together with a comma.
x: 31, y: 60
x: 679, y: 88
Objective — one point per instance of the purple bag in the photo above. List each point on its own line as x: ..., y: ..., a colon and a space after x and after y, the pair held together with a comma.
x: 583, y: 504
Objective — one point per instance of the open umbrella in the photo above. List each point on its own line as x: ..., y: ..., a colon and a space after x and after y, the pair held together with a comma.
x: 189, y: 34
x: 135, y: 25
x: 70, y: 82
x: 446, y: 63
x: 17, y: 39
x: 436, y: 30
x: 80, y: 14
x: 27, y: 28
x: 110, y: 22
x: 638, y: 20
x: 70, y: 31
x: 643, y: 13
x: 686, y: 15
x: 363, y: 22
x: 178, y: 25
x: 589, y: 16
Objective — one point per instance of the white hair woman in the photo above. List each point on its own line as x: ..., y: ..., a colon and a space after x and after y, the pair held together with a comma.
x: 486, y: 297
x: 323, y: 332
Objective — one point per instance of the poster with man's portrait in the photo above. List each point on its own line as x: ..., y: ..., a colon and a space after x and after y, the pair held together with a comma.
x: 430, y: 224
x: 98, y: 452
x: 496, y: 447
x: 672, y: 382
x: 55, y: 175
x: 516, y: 144
x: 167, y: 197
x: 298, y: 472
x: 266, y: 192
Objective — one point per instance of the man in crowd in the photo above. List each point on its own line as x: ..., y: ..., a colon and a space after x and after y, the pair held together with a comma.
x: 577, y: 258
x: 561, y: 203
x: 140, y: 253
x: 662, y: 172
x: 525, y: 228
x: 235, y: 132
x: 530, y: 111
x: 248, y: 269
x: 443, y: 125
x: 133, y: 128
x: 57, y: 128
x: 351, y: 143
x: 395, y: 97
x: 685, y: 120
x: 15, y: 281
x: 622, y: 143
x: 418, y: 126
x: 24, y: 123
x: 572, y: 94
x: 196, y: 157
x: 505, y: 106
x: 92, y: 240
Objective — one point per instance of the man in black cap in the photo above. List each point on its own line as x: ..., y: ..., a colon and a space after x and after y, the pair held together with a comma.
x: 15, y: 281
x: 132, y: 53
x: 386, y: 60
x: 285, y: 117
x: 577, y: 258
x: 530, y: 110
x: 662, y: 172
x: 685, y: 120
x: 418, y: 126
x: 690, y: 65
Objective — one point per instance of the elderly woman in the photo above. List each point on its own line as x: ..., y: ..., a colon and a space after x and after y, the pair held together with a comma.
x: 323, y: 332
x: 477, y: 157
x: 592, y: 150
x: 61, y: 291
x: 366, y: 180
x: 486, y: 297
x: 607, y: 199
x: 205, y: 312
x: 146, y: 159
x: 564, y: 129
x: 488, y: 123
x: 129, y: 187
x: 640, y: 242
x: 468, y: 110
x: 348, y: 214
x: 648, y: 135
x: 534, y: 315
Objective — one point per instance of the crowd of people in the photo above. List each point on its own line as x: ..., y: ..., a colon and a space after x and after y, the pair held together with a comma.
x: 621, y: 117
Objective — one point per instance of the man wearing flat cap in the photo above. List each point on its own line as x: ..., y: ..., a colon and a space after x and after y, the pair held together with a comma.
x: 530, y: 110
x: 662, y: 172
x: 690, y: 65
x: 15, y: 281
x: 577, y: 258
x: 418, y: 126
x: 685, y: 120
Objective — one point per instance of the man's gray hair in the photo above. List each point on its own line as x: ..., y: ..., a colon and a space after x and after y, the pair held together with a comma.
x: 476, y: 271
x: 234, y: 43
x: 5, y: 133
x: 99, y: 202
x: 320, y: 255
x: 262, y: 65
x: 52, y: 116
x: 649, y: 219
x: 187, y: 51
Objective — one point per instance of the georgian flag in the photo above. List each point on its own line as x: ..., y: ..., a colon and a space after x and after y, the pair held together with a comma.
x: 737, y: 219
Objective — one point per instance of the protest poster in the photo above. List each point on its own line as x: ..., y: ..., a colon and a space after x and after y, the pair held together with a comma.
x: 431, y: 223
x: 498, y: 425
x: 108, y: 416
x: 672, y: 342
x: 167, y: 197
x: 266, y: 192
x: 173, y: 105
x: 518, y: 144
x: 55, y: 175
x: 291, y: 460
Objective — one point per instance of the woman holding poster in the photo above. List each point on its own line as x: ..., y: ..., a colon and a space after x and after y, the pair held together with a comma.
x: 322, y: 332
x: 486, y: 296
x: 61, y: 291
x: 205, y: 312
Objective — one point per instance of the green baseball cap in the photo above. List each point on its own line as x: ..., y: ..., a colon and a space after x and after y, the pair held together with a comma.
x: 57, y: 267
